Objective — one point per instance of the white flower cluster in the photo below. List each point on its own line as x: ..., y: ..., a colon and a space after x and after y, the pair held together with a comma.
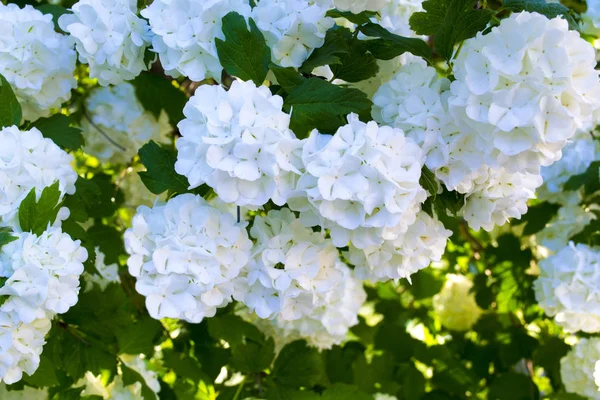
x: 568, y: 288
x: 185, y: 255
x: 358, y: 6
x: 41, y: 279
x: 569, y: 221
x: 405, y: 251
x: 28, y: 161
x: 364, y: 176
x: 110, y: 37
x: 326, y: 324
x: 239, y: 143
x: 185, y: 32
x: 292, y: 28
x: 293, y: 270
x: 578, y: 366
x: 576, y: 158
x: 116, y: 124
x: 395, y: 15
x: 37, y: 61
x: 509, y: 112
x: 107, y: 274
x: 455, y: 305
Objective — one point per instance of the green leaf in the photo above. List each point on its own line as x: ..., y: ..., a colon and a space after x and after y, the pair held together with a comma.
x: 56, y: 11
x: 361, y: 18
x: 317, y: 104
x: 10, y: 109
x: 288, y: 78
x: 139, y: 337
x: 298, y: 365
x: 244, y: 53
x: 339, y: 361
x: 590, y: 234
x: 34, y: 216
x: 414, y: 383
x: 450, y: 21
x: 160, y: 165
x: 283, y: 393
x: 334, y: 47
x: 43, y: 376
x: 59, y: 129
x: 357, y: 64
x: 157, y: 93
x: 342, y: 391
x: 537, y: 217
x: 85, y: 199
x: 253, y: 356
x: 6, y: 236
x: 548, y: 356
x: 109, y: 240
x: 512, y: 386
x: 590, y: 180
x: 550, y: 10
x: 131, y: 376
x: 425, y: 284
x: 390, y: 45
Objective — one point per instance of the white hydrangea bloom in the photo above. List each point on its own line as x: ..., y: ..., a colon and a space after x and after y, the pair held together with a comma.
x: 597, y: 374
x: 37, y: 61
x: 568, y: 288
x: 27, y: 393
x: 110, y: 37
x: 569, y: 221
x: 28, y: 161
x: 292, y: 28
x: 577, y: 368
x: 358, y: 6
x: 363, y: 176
x: 185, y: 33
x: 525, y: 96
x: 185, y: 255
x: 326, y: 324
x: 495, y: 195
x: 21, y: 345
x: 395, y: 15
x: 383, y: 396
x: 292, y: 271
x: 239, y: 143
x: 117, y: 125
x: 576, y: 158
x: 139, y: 364
x: 455, y: 305
x: 107, y: 274
x: 406, y: 252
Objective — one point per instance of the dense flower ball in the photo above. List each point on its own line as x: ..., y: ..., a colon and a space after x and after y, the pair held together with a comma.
x: 185, y: 255
x: 110, y: 37
x: 41, y: 276
x: 358, y: 6
x: 395, y: 15
x: 30, y: 161
x: 293, y: 270
x: 363, y: 176
x: 576, y: 158
x: 292, y: 28
x: 578, y: 366
x: 406, y: 252
x: 37, y: 61
x: 185, y: 33
x: 116, y: 124
x: 327, y: 324
x: 239, y: 143
x: 496, y: 195
x: 525, y: 95
x: 567, y: 288
x: 455, y: 306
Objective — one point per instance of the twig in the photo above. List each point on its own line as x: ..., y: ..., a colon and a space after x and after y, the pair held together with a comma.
x: 117, y: 145
x: 65, y: 326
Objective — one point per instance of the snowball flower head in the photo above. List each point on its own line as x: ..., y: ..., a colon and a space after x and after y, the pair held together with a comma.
x: 293, y: 268
x: 455, y: 305
x: 110, y: 37
x: 567, y: 288
x: 185, y: 33
x: 30, y: 161
x: 37, y: 61
x: 358, y: 6
x: 525, y: 95
x: 395, y: 15
x: 117, y: 125
x: 239, y: 143
x: 362, y: 176
x: 406, y: 251
x: 578, y: 366
x: 185, y: 255
x: 292, y: 28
